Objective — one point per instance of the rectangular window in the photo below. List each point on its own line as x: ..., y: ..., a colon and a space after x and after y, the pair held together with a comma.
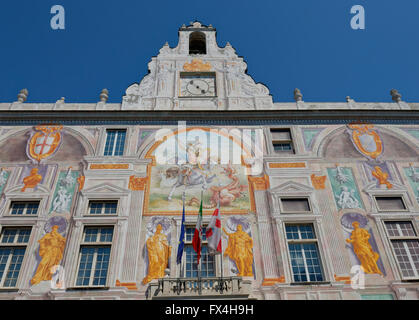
x: 207, y: 261
x: 13, y: 242
x: 405, y: 243
x: 304, y: 253
x: 95, y: 251
x: 295, y: 205
x: 29, y: 208
x: 115, y: 142
x: 390, y: 203
x: 282, y: 141
x: 103, y: 207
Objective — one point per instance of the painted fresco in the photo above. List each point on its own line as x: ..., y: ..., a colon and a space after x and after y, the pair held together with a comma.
x: 239, y: 247
x: 157, y: 248
x: 360, y: 242
x: 45, y: 140
x: 366, y: 140
x: 194, y: 166
x: 412, y: 132
x: 64, y: 191
x: 4, y: 175
x: 31, y: 176
x: 345, y: 190
x: 49, y: 254
x: 309, y: 136
x: 412, y: 174
x: 378, y: 172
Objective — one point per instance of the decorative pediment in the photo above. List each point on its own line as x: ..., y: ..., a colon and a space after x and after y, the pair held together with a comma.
x: 374, y: 188
x: 291, y: 187
x: 104, y: 189
x: 156, y: 90
x: 17, y: 190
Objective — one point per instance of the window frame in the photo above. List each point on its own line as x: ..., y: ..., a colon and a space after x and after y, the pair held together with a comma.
x: 189, y: 243
x: 406, y: 208
x: 317, y: 241
x: 9, y: 212
x: 14, y: 245
x: 88, y: 214
x: 113, y: 149
x: 283, y: 211
x: 401, y: 238
x: 285, y: 141
x: 81, y: 244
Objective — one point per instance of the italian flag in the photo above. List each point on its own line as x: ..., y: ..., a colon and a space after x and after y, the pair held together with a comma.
x: 197, y: 237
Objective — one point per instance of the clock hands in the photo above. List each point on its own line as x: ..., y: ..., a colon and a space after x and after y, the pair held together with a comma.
x: 197, y: 87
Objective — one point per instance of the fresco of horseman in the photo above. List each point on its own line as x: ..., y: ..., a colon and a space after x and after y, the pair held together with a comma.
x: 196, y: 171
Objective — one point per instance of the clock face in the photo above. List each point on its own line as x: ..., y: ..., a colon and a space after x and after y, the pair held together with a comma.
x: 197, y: 86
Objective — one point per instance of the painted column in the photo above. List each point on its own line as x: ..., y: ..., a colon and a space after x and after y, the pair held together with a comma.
x: 267, y: 243
x: 132, y: 248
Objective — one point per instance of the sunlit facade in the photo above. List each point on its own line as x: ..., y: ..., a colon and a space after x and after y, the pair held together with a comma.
x: 316, y: 200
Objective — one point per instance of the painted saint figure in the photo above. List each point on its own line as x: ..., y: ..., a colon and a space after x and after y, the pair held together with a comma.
x: 51, y: 249
x: 239, y: 250
x: 158, y: 250
x: 32, y: 180
x: 363, y: 250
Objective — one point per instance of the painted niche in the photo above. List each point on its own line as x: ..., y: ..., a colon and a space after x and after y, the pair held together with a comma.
x: 157, y: 249
x: 239, y: 248
x: 360, y: 242
x: 50, y: 253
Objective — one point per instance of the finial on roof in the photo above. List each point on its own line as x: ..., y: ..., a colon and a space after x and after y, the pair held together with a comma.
x: 395, y: 95
x: 297, y: 95
x: 62, y: 100
x: 23, y: 95
x: 196, y: 24
x: 104, y: 95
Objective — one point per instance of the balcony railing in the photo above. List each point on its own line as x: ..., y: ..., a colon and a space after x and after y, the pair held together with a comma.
x: 205, y: 287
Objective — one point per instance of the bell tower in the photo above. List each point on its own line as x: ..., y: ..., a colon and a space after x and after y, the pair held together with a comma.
x: 197, y: 75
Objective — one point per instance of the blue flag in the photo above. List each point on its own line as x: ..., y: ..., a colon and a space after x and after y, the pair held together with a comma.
x: 182, y: 238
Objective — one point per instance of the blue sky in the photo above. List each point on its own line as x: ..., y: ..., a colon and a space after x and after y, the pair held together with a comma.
x: 286, y: 43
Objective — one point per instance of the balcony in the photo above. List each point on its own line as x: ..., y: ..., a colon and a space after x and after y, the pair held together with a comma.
x: 199, y: 288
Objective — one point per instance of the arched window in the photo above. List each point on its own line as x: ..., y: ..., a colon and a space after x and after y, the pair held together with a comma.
x: 197, y: 43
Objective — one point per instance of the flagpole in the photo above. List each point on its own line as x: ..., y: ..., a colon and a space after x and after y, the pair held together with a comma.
x: 199, y: 262
x: 221, y: 239
x: 182, y: 262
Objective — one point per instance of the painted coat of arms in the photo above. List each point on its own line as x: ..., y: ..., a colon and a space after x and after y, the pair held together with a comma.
x: 44, y: 142
x: 366, y: 140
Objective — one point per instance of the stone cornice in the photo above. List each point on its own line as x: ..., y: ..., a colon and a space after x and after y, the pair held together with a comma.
x: 254, y: 117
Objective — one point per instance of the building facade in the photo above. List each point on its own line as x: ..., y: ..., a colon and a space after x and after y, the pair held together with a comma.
x: 317, y: 200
